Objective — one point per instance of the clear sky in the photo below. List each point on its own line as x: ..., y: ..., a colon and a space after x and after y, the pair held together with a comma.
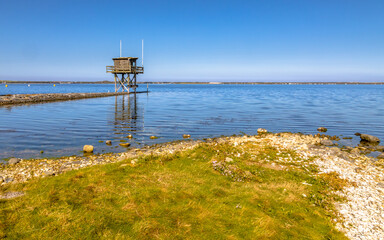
x: 260, y: 40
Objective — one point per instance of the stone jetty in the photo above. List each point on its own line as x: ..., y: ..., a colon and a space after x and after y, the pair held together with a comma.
x: 52, y: 97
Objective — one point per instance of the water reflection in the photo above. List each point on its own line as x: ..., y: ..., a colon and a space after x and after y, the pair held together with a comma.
x: 128, y: 116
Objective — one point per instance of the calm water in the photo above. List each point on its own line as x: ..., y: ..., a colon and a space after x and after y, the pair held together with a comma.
x: 168, y: 111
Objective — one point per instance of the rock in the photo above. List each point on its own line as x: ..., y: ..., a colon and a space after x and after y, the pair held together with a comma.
x: 13, y: 161
x: 129, y: 136
x: 369, y: 138
x: 326, y: 142
x: 380, y: 148
x: 355, y: 151
x: 125, y: 144
x: 261, y: 130
x: 381, y: 156
x: 153, y: 137
x: 10, y: 195
x: 322, y: 129
x: 8, y: 180
x: 108, y: 142
x: 123, y: 165
x: 186, y: 136
x: 228, y: 159
x: 48, y: 173
x: 88, y: 148
x: 358, y: 170
x: 134, y: 161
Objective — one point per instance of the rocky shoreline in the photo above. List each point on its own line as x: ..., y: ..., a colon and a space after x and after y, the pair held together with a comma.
x: 362, y: 213
x: 52, y: 97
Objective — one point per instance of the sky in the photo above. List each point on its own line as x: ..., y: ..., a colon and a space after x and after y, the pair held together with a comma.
x: 260, y: 40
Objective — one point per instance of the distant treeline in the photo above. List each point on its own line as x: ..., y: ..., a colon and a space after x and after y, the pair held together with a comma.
x: 155, y: 82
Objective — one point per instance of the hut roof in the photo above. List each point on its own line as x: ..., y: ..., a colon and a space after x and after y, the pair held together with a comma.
x: 124, y: 58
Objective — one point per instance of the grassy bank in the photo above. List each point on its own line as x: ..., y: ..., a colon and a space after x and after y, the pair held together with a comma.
x: 218, y: 190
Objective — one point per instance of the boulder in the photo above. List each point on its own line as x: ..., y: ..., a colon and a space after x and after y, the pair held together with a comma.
x: 13, y: 161
x: 186, y: 136
x: 125, y: 144
x: 369, y: 138
x: 380, y: 148
x: 108, y: 142
x: 322, y: 129
x: 88, y: 148
x: 326, y: 142
x: 261, y: 130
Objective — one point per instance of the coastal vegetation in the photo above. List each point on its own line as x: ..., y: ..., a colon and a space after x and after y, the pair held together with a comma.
x: 226, y: 188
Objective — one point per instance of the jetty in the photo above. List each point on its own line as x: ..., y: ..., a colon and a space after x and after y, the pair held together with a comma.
x: 13, y: 99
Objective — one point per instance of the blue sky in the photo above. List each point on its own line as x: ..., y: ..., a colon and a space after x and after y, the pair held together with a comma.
x: 265, y: 40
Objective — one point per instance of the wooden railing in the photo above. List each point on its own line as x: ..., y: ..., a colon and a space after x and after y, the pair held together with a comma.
x: 137, y: 70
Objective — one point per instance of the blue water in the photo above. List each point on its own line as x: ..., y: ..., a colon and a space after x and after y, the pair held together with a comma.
x: 169, y: 111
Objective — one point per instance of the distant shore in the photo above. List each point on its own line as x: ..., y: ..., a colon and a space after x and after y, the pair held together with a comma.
x: 212, y: 82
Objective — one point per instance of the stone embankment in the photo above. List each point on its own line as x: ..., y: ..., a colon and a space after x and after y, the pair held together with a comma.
x: 52, y: 97
x: 362, y: 214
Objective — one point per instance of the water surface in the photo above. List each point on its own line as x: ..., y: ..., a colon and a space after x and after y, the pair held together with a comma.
x: 169, y: 111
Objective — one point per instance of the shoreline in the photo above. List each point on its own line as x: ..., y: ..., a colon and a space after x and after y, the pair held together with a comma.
x: 364, y: 197
x: 16, y: 99
x: 197, y: 83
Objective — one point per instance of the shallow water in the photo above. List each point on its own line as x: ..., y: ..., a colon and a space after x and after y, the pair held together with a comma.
x: 169, y: 111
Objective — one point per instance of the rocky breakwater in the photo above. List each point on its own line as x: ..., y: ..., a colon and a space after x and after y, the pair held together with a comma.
x: 51, y: 97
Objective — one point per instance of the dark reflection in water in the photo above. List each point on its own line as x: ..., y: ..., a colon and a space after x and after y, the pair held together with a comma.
x: 168, y: 111
x: 129, y: 118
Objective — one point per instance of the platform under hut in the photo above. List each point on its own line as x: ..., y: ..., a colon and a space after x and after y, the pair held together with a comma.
x: 125, y: 71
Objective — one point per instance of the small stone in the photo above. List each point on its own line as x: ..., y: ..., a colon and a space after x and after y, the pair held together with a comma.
x: 123, y: 165
x: 358, y: 170
x: 8, y: 180
x: 41, y: 151
x: 134, y: 161
x: 13, y: 161
x: 380, y: 148
x: 326, y: 142
x: 10, y: 195
x: 153, y: 137
x: 186, y: 136
x: 228, y: 159
x: 129, y: 136
x: 48, y: 173
x: 88, y: 148
x: 125, y: 144
x: 261, y: 130
x: 322, y: 129
x: 108, y: 142
x: 355, y: 151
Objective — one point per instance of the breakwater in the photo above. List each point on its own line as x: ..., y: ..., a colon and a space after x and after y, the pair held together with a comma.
x: 12, y: 99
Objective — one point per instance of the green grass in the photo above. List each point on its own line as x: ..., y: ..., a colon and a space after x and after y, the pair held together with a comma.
x: 179, y: 196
